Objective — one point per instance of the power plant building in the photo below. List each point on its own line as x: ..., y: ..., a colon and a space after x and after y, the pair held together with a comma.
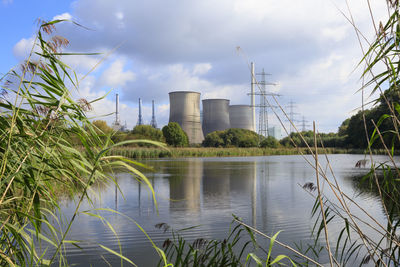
x: 241, y: 116
x: 185, y: 110
x: 275, y: 132
x: 215, y: 115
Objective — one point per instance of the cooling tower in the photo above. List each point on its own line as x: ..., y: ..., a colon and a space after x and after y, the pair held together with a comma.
x: 241, y: 116
x: 215, y: 115
x: 185, y: 110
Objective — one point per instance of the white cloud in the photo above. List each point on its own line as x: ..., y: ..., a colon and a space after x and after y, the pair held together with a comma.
x: 308, y: 46
x: 104, y: 109
x: 115, y: 76
x: 22, y: 49
x: 337, y: 34
x: 201, y: 68
x: 63, y: 16
x: 120, y: 17
x: 82, y: 63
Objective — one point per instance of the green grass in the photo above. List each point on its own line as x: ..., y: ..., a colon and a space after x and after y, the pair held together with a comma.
x: 173, y: 152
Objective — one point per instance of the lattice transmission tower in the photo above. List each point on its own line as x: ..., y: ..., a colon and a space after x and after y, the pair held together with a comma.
x: 292, y: 120
x: 304, y: 124
x: 263, y: 105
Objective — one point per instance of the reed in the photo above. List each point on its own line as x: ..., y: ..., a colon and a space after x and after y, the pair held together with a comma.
x: 232, y: 251
x: 177, y: 152
x: 38, y: 115
x: 362, y: 239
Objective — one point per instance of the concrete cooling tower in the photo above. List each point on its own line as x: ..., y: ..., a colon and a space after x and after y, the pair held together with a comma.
x: 215, y: 115
x: 185, y: 110
x: 241, y: 116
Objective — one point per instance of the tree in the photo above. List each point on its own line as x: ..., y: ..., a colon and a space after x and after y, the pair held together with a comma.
x: 174, y: 135
x: 214, y: 139
x: 102, y: 126
x: 342, y: 131
x: 147, y: 132
x: 270, y: 141
x: 231, y: 138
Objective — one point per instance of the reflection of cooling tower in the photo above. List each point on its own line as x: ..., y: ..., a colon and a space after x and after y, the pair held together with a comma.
x: 242, y: 177
x: 185, y: 110
x: 215, y: 115
x: 216, y: 183
x: 185, y: 185
x: 241, y: 116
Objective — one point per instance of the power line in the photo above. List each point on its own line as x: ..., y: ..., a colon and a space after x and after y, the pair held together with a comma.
x: 263, y: 103
x: 304, y: 124
x: 291, y: 114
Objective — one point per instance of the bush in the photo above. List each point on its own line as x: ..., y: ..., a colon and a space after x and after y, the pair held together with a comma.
x: 231, y: 138
x: 214, y: 139
x: 328, y: 139
x: 270, y: 141
x: 102, y: 127
x: 146, y: 132
x: 174, y: 135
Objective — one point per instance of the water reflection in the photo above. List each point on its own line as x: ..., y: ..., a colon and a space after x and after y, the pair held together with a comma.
x: 216, y: 185
x: 264, y: 191
x: 185, y: 186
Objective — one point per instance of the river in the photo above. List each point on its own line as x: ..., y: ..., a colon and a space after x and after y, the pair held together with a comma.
x: 266, y: 192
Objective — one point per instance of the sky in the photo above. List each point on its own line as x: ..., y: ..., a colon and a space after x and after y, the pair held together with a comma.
x: 153, y: 47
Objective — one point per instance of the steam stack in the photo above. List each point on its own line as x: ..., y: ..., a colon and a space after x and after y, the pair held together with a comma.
x: 253, y: 96
x: 153, y: 122
x: 117, y: 122
x: 140, y: 118
x: 116, y: 125
x: 185, y: 110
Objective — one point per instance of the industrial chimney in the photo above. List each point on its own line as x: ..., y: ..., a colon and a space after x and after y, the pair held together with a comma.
x: 117, y: 122
x: 140, y: 118
x: 253, y: 96
x: 153, y: 122
x: 116, y: 125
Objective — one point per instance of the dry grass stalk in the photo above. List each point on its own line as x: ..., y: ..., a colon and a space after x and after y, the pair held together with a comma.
x: 321, y: 204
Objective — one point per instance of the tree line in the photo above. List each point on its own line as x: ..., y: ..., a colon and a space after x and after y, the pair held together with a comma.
x: 357, y: 132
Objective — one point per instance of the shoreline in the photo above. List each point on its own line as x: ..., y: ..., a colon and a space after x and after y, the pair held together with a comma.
x: 174, y: 152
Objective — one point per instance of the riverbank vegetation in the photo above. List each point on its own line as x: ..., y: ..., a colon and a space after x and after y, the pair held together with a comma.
x: 364, y: 239
x: 38, y: 157
x: 184, y: 152
x: 47, y: 141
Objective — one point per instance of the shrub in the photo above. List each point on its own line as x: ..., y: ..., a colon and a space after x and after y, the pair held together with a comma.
x: 174, y: 135
x: 270, y: 141
x: 231, y: 138
x: 148, y: 132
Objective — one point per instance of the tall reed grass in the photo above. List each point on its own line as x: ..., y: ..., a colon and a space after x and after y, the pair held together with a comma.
x: 38, y: 115
x: 172, y: 152
x: 362, y: 239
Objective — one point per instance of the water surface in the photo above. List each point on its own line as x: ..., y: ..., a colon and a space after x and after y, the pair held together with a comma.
x: 266, y: 192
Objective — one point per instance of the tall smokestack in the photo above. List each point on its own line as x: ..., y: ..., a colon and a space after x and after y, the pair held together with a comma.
x: 153, y: 122
x: 116, y: 109
x: 140, y: 119
x: 253, y: 96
